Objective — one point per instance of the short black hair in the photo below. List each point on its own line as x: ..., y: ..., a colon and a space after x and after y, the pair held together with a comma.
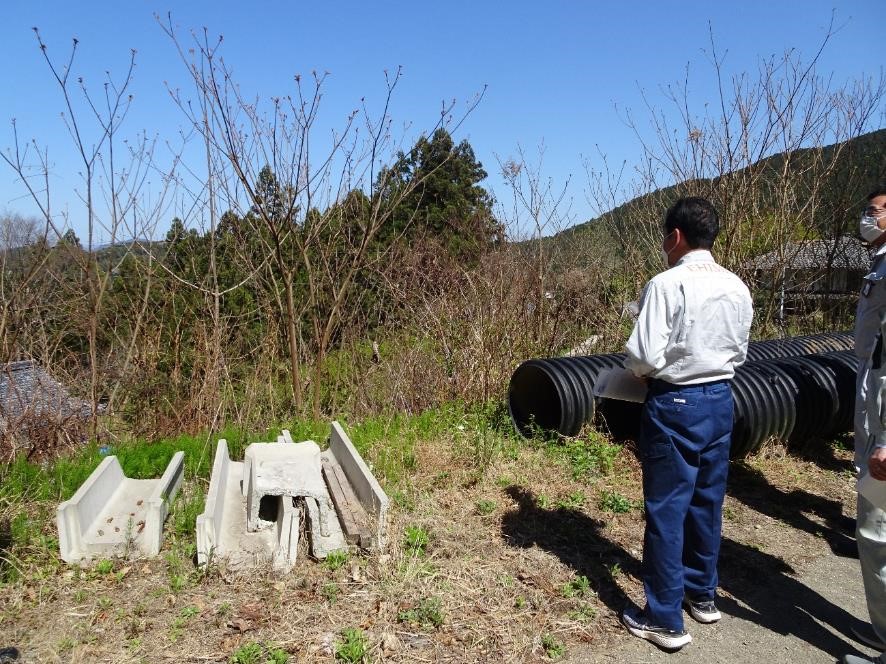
x: 879, y: 191
x: 697, y: 219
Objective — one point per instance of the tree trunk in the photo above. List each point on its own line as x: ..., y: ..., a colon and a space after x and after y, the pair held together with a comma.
x: 292, y: 332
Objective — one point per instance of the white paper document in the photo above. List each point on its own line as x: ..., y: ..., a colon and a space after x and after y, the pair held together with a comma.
x: 873, y: 490
x: 620, y: 384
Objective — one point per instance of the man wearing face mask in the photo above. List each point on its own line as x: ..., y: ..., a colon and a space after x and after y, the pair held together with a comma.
x: 690, y: 335
x: 870, y: 425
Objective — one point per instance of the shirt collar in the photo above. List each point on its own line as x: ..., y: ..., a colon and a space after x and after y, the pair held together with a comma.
x: 696, y: 256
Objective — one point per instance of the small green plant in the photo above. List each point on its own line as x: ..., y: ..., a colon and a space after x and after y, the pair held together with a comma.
x: 552, y: 647
x: 520, y: 602
x: 614, y: 570
x: 416, y: 539
x: 580, y: 586
x: 612, y: 501
x: 177, y: 582
x: 259, y: 653
x: 352, y: 646
x: 330, y: 592
x: 586, y: 456
x: 184, y: 512
x: 104, y: 566
x: 584, y: 613
x: 79, y: 596
x: 134, y: 645
x: 189, y: 612
x: 277, y: 655
x: 573, y: 501
x: 505, y: 481
x: 66, y: 644
x: 178, y: 561
x: 486, y: 507
x: 403, y: 500
x: 542, y: 501
x: 335, y: 560
x: 105, y: 603
x: 428, y: 613
x: 248, y: 653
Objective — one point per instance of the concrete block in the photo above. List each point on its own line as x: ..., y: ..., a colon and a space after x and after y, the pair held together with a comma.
x: 111, y: 514
x: 254, y: 509
x: 282, y: 469
x: 367, y: 489
x: 288, y: 521
x: 323, y: 544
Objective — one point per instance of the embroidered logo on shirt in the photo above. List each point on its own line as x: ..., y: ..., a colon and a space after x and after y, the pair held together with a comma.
x: 679, y: 400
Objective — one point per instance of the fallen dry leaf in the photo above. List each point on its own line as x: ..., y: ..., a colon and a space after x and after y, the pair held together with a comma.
x: 240, y: 625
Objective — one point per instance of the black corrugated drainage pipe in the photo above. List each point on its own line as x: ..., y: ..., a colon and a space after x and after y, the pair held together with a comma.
x: 795, y: 399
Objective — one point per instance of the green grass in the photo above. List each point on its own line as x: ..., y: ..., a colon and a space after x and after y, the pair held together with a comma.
x: 573, y: 501
x: 580, y: 586
x: 352, y: 646
x: 30, y: 492
x: 259, y: 653
x: 335, y: 560
x: 589, y: 455
x: 612, y: 501
x: 427, y: 613
x: 552, y: 647
x: 416, y: 539
x: 330, y: 592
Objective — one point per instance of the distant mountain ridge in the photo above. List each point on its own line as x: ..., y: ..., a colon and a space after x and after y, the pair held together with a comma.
x: 860, y: 168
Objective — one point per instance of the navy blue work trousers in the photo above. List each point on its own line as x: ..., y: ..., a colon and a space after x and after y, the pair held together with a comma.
x: 685, y: 433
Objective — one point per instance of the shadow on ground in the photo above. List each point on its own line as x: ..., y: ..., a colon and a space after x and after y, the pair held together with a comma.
x: 749, y: 486
x: 774, y: 599
x: 575, y: 538
x: 769, y: 594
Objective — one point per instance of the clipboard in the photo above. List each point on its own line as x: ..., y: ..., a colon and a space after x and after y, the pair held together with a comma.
x: 620, y: 384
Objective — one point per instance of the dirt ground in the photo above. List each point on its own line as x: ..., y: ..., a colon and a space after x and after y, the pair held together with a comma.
x: 524, y: 563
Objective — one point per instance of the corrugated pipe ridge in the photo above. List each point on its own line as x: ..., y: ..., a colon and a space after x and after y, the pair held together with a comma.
x: 793, y: 389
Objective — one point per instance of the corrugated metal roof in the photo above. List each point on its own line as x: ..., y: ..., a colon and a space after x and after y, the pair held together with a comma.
x: 843, y: 253
x: 28, y: 391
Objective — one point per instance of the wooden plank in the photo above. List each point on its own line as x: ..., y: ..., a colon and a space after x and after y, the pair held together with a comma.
x: 358, y: 514
x: 351, y: 514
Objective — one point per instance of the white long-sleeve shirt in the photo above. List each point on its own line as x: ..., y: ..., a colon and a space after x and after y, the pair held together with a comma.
x: 693, y: 324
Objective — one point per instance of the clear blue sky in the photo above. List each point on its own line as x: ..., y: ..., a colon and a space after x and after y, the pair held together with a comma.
x: 554, y: 71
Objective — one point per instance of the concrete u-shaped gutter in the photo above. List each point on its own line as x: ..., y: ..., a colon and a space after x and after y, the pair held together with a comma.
x: 111, y: 514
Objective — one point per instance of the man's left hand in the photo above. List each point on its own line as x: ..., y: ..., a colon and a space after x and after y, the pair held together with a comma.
x: 877, y: 464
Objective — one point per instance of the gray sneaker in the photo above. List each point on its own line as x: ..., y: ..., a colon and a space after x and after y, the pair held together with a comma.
x: 639, y: 625
x: 704, y: 611
x: 855, y: 659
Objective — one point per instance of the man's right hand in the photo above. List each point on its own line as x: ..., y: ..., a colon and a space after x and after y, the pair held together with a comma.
x: 877, y: 464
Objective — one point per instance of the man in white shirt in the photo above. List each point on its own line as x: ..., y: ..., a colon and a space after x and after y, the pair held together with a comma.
x: 870, y: 427
x: 690, y: 335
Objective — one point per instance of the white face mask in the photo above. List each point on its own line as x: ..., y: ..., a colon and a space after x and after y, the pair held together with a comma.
x: 868, y: 228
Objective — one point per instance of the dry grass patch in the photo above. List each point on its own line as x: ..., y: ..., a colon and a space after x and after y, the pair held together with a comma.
x: 520, y: 558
